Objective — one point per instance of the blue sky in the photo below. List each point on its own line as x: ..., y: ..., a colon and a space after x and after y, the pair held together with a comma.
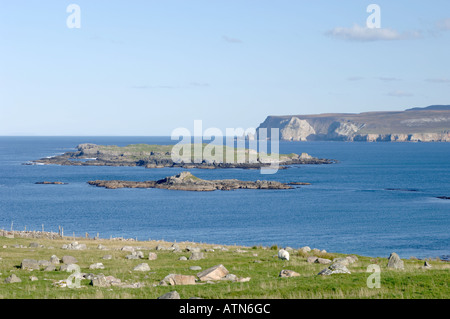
x: 148, y: 67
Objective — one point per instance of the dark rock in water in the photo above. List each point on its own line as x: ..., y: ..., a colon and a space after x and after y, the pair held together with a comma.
x: 51, y: 183
x: 402, y: 189
x: 443, y: 197
x: 187, y: 182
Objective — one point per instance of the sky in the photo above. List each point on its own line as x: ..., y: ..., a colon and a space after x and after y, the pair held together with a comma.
x: 145, y: 68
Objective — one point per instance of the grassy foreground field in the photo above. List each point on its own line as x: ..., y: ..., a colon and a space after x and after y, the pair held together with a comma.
x: 258, y: 263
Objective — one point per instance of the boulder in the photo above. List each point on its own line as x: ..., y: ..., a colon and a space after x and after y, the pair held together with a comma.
x: 395, y: 262
x: 69, y: 267
x: 12, y: 279
x: 107, y: 257
x: 30, y: 264
x: 97, y: 266
x: 213, y: 273
x: 34, y: 245
x: 335, y: 268
x: 44, y: 263
x: 343, y: 261
x: 311, y: 259
x: 195, y: 268
x: 182, y: 258
x: 142, y: 267
x: 323, y: 261
x: 196, y: 256
x: 175, y: 279
x: 33, y: 278
x: 50, y: 268
x: 54, y: 260
x: 288, y: 273
x: 170, y: 295
x: 152, y: 256
x: 69, y: 260
x: 127, y: 248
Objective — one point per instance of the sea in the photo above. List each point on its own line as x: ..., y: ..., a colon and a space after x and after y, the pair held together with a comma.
x: 378, y: 198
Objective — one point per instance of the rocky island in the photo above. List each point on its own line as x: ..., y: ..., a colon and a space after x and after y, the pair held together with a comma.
x: 185, y: 181
x: 429, y: 124
x: 159, y: 156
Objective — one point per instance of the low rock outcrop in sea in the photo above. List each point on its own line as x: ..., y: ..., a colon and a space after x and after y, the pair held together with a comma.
x: 159, y: 156
x: 187, y: 182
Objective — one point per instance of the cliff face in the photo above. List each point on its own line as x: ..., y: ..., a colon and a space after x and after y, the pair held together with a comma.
x: 430, y: 124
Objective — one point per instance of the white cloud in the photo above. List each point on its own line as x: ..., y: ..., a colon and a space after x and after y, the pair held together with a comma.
x: 364, y: 34
x: 444, y: 25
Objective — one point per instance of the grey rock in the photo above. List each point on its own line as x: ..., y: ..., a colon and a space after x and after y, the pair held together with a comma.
x: 311, y: 259
x: 107, y: 257
x: 195, y: 268
x: 44, y: 263
x: 97, y: 266
x: 69, y: 260
x: 323, y: 261
x: 175, y: 279
x: 170, y: 295
x: 395, y: 262
x: 54, y: 260
x: 196, y: 256
x: 182, y: 258
x: 12, y: 279
x: 34, y: 245
x: 142, y: 267
x: 152, y: 256
x: 288, y: 273
x: 33, y: 278
x: 30, y: 264
x: 335, y: 268
x: 50, y: 268
x: 213, y: 273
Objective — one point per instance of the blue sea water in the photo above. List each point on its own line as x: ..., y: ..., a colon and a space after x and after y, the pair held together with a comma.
x: 379, y: 198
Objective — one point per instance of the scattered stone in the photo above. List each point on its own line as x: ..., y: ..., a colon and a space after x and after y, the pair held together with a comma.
x: 107, y: 257
x: 230, y: 277
x: 101, y: 247
x: 213, y: 273
x: 127, y: 248
x: 311, y: 259
x: 161, y: 247
x: 246, y: 279
x: 352, y: 259
x: 142, y: 267
x: 323, y: 251
x: 335, y: 268
x: 44, y: 263
x: 174, y: 279
x: 283, y: 254
x: 182, y: 258
x: 343, y: 261
x: 74, y: 246
x: 50, y: 268
x: 33, y: 278
x: 30, y: 264
x: 69, y: 267
x: 104, y: 281
x: 152, y: 256
x: 34, y: 245
x: 288, y: 273
x: 195, y: 268
x: 170, y: 295
x: 323, y: 261
x: 55, y: 260
x: 132, y: 256
x: 196, y: 256
x: 395, y: 262
x: 241, y: 251
x: 69, y: 260
x: 193, y: 249
x: 12, y: 279
x: 97, y: 266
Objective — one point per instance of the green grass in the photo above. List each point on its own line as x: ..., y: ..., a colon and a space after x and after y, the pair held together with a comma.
x: 412, y: 282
